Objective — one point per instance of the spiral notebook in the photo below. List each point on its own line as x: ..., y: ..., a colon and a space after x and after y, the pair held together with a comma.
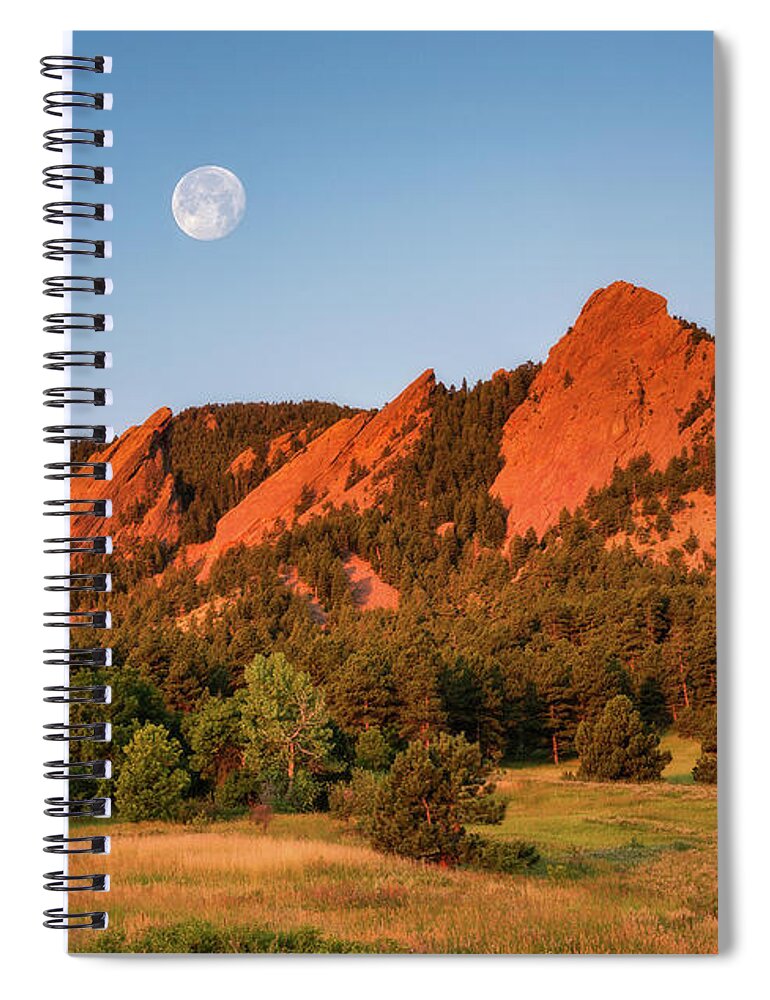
x: 387, y: 544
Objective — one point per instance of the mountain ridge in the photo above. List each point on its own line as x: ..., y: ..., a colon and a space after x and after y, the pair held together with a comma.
x: 627, y: 379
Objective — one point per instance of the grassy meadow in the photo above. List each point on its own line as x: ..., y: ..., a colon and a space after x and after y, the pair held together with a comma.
x: 625, y: 869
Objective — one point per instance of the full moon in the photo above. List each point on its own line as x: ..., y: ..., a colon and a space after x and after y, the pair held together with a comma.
x: 208, y: 203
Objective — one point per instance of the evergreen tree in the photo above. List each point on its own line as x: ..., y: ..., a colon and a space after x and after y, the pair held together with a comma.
x: 373, y: 752
x: 361, y: 692
x: 617, y: 747
x: 420, y: 805
x: 653, y: 707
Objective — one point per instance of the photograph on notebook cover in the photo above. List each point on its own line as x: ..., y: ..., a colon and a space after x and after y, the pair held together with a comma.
x: 413, y: 493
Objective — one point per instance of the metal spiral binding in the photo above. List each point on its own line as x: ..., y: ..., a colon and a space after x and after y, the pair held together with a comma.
x: 91, y: 322
x: 54, y: 65
x: 62, y: 177
x: 61, y: 248
x: 57, y: 138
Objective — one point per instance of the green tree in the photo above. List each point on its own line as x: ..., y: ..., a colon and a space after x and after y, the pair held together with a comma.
x: 653, y: 706
x: 215, y: 737
x: 285, y: 724
x: 361, y: 689
x: 421, y: 803
x: 151, y: 783
x: 618, y: 748
x: 373, y: 752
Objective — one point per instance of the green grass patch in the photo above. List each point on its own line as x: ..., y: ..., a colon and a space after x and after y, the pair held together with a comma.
x: 192, y: 937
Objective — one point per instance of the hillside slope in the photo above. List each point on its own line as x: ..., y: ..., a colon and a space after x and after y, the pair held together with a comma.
x: 348, y: 464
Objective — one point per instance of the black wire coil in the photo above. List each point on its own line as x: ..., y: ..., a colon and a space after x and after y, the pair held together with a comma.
x: 60, y: 285
x: 57, y: 138
x: 55, y: 844
x: 64, y: 323
x: 79, y: 732
x: 61, y: 882
x: 69, y: 248
x: 57, y: 101
x: 78, y: 508
x: 58, y: 211
x: 61, y: 433
x: 96, y: 808
x: 59, y: 174
x: 100, y: 656
x: 89, y: 545
x: 78, y: 470
x: 53, y: 66
x: 78, y: 619
x: 78, y: 583
x: 60, y: 248
x: 59, y: 361
x: 57, y: 919
x: 81, y: 694
x: 82, y: 770
x: 67, y: 395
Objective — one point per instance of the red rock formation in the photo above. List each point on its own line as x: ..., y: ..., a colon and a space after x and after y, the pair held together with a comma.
x: 348, y: 463
x: 619, y: 384
x: 140, y: 489
x: 279, y: 447
x: 243, y: 462
x: 369, y: 591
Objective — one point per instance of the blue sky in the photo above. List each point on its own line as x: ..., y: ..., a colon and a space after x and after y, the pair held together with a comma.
x: 444, y: 200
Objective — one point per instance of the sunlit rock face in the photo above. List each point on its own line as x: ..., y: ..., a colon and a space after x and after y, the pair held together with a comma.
x: 627, y: 379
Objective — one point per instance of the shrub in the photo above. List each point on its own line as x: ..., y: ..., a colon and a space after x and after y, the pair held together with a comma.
x: 618, y: 747
x: 705, y: 770
x: 485, y: 808
x: 237, y: 790
x: 356, y: 800
x: 508, y: 856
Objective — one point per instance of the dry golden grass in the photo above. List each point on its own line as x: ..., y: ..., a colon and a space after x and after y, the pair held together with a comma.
x: 626, y: 869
